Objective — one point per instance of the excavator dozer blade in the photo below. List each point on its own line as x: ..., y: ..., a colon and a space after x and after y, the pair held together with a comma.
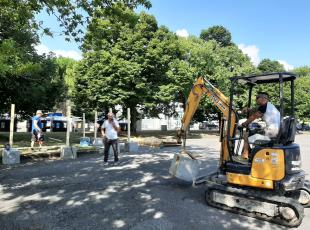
x: 184, y: 167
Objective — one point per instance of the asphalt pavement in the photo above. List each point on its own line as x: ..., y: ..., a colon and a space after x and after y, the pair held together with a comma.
x: 137, y: 194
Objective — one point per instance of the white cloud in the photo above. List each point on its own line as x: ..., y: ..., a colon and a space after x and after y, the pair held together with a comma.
x: 182, y: 33
x: 252, y: 51
x: 287, y: 66
x: 41, y: 49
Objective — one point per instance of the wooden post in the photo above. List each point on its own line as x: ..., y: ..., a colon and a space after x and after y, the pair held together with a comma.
x: 68, y: 123
x: 12, y: 125
x: 95, y: 125
x: 128, y: 124
x: 83, y: 124
x: 52, y: 124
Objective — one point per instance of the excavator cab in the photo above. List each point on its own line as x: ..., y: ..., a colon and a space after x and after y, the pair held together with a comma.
x: 275, y: 163
x: 270, y: 185
x: 285, y: 105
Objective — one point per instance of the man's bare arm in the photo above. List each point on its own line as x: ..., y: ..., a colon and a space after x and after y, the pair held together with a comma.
x: 254, y: 116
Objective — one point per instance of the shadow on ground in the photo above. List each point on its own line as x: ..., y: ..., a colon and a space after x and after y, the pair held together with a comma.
x: 85, y: 194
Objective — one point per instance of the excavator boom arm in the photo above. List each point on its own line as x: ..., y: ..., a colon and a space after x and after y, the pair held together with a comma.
x: 200, y: 88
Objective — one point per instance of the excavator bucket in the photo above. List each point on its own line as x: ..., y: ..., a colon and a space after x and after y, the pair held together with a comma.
x: 185, y: 166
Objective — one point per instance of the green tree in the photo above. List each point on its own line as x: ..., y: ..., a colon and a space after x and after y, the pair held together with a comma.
x: 269, y: 66
x: 64, y: 68
x: 302, y: 93
x: 214, y: 62
x: 71, y: 15
x: 217, y: 33
x: 30, y: 80
x: 127, y: 57
x: 25, y: 80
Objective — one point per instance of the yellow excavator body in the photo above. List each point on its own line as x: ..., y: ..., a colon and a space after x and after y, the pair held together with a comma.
x: 270, y: 184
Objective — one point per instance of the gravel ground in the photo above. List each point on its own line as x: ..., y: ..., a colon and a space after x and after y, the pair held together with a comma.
x: 137, y: 194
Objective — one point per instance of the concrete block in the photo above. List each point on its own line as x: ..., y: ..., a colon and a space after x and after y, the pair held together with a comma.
x: 132, y: 147
x: 121, y: 147
x: 68, y: 152
x: 98, y: 142
x: 184, y: 168
x: 100, y: 149
x: 10, y: 156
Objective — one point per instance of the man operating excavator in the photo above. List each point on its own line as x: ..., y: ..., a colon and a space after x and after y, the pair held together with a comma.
x: 271, y: 184
x: 269, y: 113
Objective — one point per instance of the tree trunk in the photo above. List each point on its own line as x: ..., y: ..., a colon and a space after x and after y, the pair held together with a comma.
x: 133, y: 119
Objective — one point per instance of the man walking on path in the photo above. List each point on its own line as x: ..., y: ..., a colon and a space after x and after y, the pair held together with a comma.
x: 109, y: 130
x: 36, y: 129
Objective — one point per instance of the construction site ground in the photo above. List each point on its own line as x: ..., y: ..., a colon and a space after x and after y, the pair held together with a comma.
x: 54, y: 194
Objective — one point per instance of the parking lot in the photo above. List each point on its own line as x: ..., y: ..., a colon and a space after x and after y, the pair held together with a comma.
x: 137, y: 194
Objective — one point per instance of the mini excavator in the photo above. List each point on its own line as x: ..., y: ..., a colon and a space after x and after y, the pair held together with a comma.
x: 270, y: 185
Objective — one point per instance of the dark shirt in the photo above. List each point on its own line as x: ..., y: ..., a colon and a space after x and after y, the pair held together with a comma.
x: 262, y: 108
x: 39, y: 123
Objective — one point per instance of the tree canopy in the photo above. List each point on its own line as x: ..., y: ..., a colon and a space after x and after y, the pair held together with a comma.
x: 269, y: 66
x: 33, y: 81
x: 128, y: 60
x: 218, y: 33
x: 302, y: 93
x: 132, y: 62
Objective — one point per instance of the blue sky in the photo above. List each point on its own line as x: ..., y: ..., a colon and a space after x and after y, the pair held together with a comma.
x: 278, y: 30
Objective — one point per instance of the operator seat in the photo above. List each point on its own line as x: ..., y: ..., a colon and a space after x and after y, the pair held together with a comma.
x: 285, y: 136
x: 287, y: 131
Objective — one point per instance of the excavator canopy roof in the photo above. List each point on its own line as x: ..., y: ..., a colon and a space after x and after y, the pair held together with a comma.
x: 265, y: 78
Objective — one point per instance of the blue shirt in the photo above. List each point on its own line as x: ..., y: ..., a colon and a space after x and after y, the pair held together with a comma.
x: 39, y: 123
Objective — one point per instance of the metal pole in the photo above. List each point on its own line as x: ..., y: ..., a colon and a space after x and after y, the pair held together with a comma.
x: 292, y: 99
x: 128, y: 124
x: 12, y: 124
x: 83, y: 124
x: 281, y: 97
x: 95, y: 125
x: 68, y: 123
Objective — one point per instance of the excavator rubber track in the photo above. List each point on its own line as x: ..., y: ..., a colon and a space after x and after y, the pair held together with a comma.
x: 263, y: 202
x: 302, y: 195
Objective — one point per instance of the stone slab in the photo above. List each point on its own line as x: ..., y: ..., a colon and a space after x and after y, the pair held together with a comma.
x: 98, y: 142
x: 10, y: 156
x: 184, y: 168
x: 68, y: 152
x: 132, y: 147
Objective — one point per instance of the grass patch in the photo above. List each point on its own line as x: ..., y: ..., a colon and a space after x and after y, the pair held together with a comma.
x: 55, y: 138
x: 22, y: 139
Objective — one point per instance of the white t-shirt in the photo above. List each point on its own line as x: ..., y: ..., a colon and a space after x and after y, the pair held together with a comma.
x: 110, y: 132
x: 272, y: 119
